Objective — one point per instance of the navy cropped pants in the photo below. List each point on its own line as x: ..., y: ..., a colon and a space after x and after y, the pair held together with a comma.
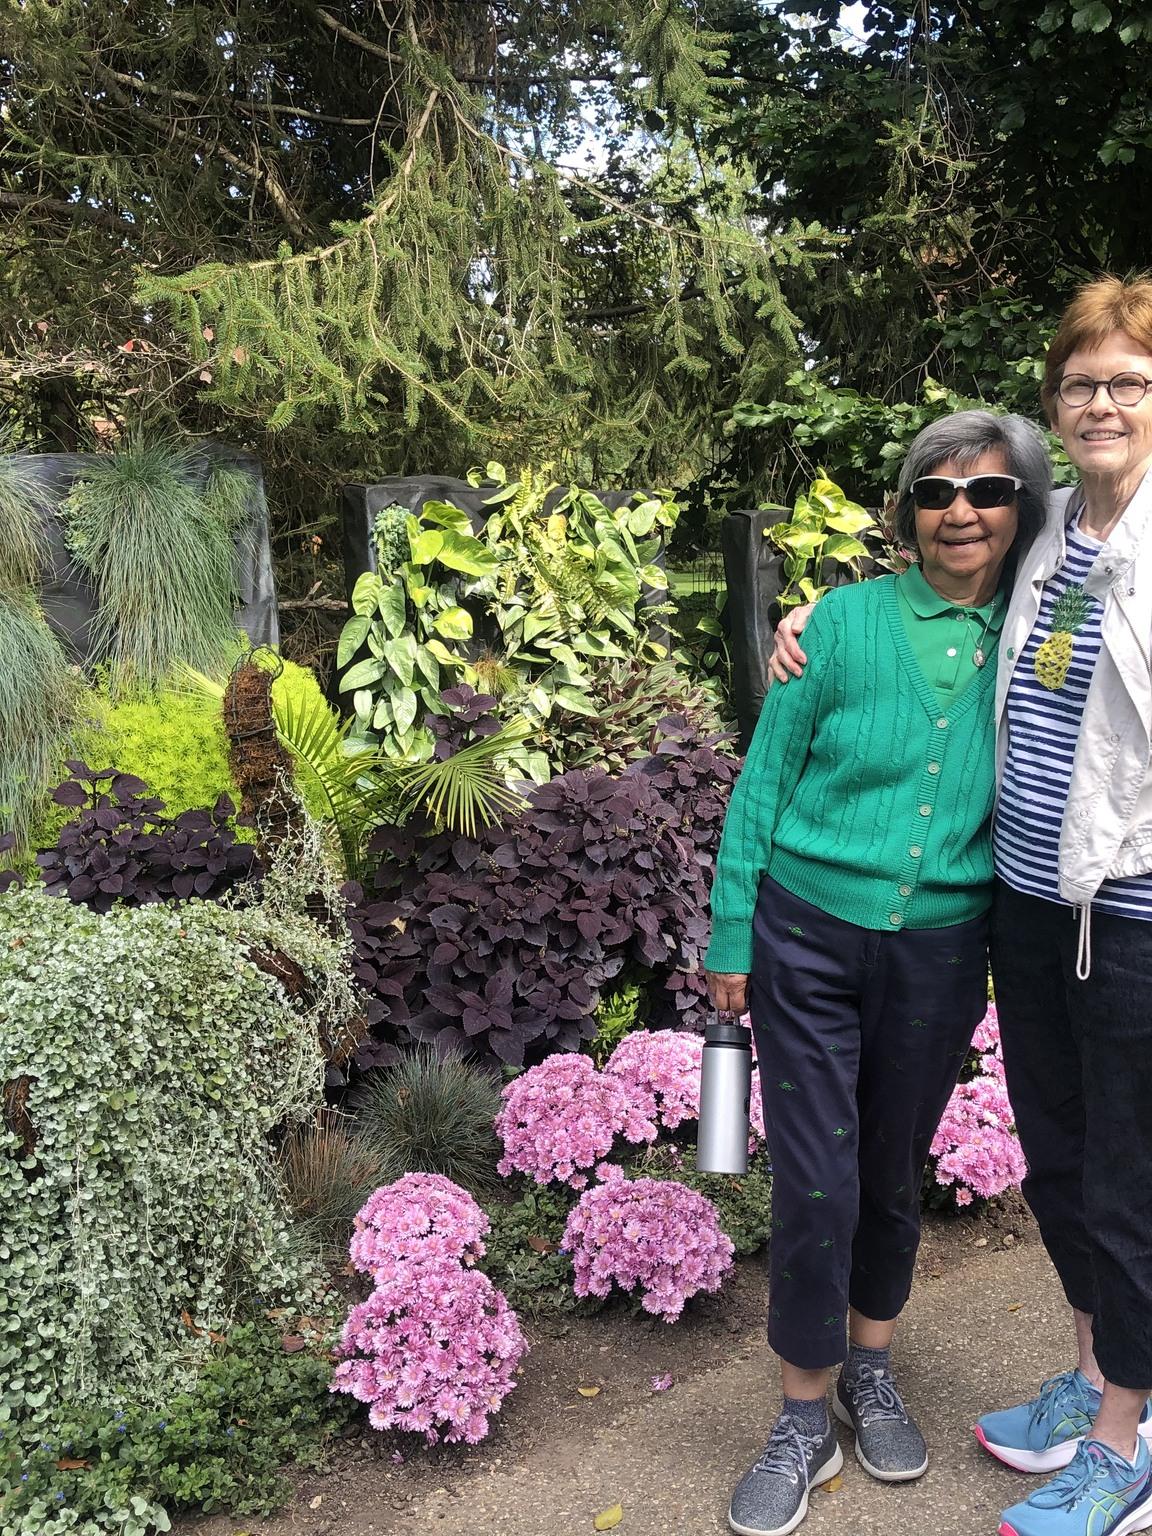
x: 1078, y: 1061
x: 860, y: 1037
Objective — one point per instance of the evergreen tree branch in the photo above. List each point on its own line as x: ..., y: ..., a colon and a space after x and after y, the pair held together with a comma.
x: 34, y: 202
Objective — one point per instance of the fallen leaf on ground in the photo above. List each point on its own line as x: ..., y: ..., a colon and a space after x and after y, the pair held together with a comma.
x: 541, y: 1245
x: 1015, y: 1307
x: 661, y: 1383
x: 588, y: 1391
x: 292, y: 1343
x: 608, y: 1519
x: 72, y: 1464
x: 316, y: 1502
x: 834, y: 1484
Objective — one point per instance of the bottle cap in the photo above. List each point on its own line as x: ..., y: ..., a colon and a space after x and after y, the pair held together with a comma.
x: 728, y: 1029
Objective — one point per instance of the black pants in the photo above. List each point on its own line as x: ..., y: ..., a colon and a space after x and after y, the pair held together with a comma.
x: 860, y: 1037
x: 1078, y: 1061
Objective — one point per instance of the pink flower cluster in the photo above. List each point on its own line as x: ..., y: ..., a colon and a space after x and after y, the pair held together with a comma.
x: 660, y: 1071
x: 436, y: 1346
x: 421, y: 1216
x: 561, y: 1117
x: 650, y: 1233
x: 434, y: 1349
x: 976, y: 1148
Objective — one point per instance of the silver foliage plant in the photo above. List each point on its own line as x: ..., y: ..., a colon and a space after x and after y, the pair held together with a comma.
x: 144, y: 1061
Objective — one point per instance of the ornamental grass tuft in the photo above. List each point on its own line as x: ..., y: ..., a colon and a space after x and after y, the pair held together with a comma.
x: 328, y: 1174
x: 39, y: 701
x: 430, y: 1113
x: 159, y: 547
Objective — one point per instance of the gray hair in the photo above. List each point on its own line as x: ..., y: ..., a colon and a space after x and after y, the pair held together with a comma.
x: 963, y: 438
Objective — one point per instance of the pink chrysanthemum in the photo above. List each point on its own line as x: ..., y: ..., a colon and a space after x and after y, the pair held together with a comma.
x: 560, y: 1119
x: 976, y: 1148
x: 647, y: 1233
x: 433, y: 1350
x: 421, y: 1217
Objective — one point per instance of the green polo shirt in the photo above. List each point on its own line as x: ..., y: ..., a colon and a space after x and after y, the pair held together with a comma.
x: 944, y: 637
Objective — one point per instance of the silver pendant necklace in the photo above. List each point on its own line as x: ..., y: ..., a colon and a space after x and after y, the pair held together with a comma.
x: 979, y: 656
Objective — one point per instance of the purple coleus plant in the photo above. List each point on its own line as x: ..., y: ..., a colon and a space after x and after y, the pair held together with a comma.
x: 499, y: 946
x: 121, y: 848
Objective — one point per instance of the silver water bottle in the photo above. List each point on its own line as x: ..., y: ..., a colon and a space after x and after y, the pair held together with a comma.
x: 725, y: 1092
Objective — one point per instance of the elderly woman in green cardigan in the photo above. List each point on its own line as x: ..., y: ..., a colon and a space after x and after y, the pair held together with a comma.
x: 849, y: 915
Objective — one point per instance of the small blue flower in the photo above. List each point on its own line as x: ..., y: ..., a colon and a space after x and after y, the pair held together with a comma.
x: 163, y: 1424
x: 23, y: 1477
x: 59, y: 1498
x: 231, y: 1432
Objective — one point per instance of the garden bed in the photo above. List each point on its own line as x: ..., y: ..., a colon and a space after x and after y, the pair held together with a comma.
x: 365, y: 1492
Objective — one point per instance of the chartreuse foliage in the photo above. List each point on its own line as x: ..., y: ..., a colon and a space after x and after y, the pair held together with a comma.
x: 146, y: 1061
x: 547, y: 596
x: 823, y: 526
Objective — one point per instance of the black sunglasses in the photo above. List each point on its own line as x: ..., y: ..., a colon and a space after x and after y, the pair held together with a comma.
x: 935, y: 492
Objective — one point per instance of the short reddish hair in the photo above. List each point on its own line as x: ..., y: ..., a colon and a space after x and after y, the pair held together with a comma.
x: 1105, y: 305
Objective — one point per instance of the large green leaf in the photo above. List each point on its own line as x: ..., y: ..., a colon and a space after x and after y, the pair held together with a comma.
x: 366, y: 594
x: 352, y: 637
x: 362, y: 674
x: 400, y: 654
x: 461, y: 552
x: 453, y: 624
x: 393, y: 610
x: 426, y: 545
x: 841, y: 546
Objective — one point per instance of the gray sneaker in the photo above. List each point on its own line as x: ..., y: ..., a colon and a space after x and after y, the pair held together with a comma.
x: 888, y: 1443
x: 771, y: 1498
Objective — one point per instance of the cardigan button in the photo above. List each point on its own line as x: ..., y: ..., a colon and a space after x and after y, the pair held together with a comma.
x: 895, y: 919
x: 933, y: 767
x: 905, y: 890
x: 941, y: 724
x: 925, y: 810
x: 915, y: 850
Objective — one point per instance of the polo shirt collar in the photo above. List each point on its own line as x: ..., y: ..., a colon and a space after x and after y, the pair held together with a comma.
x: 926, y: 603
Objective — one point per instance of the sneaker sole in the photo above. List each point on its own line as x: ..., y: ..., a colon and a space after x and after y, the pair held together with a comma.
x: 824, y: 1474
x: 878, y: 1473
x: 1051, y: 1460
x: 1138, y: 1519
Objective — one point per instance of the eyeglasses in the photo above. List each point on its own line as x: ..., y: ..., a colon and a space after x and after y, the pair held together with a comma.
x: 1123, y: 388
x: 933, y: 493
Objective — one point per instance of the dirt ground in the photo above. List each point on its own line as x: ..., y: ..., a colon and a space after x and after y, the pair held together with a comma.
x: 550, y: 1434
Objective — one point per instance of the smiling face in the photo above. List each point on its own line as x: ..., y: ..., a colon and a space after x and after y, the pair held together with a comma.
x: 1102, y: 438
x: 960, y: 546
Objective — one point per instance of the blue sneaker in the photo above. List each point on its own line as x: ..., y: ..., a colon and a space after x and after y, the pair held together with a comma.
x: 1097, y: 1494
x: 1043, y: 1435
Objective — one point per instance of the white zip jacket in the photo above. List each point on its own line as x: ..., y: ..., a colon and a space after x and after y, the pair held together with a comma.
x: 1107, y: 826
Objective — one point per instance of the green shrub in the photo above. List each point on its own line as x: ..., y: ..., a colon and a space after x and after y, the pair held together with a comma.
x: 427, y: 1113
x: 523, y: 1257
x: 146, y: 1060
x: 616, y: 1013
x: 219, y: 1445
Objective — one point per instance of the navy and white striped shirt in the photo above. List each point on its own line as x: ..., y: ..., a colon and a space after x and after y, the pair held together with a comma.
x: 1043, y: 725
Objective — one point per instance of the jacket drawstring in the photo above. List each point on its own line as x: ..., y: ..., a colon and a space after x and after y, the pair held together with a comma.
x: 1084, y: 944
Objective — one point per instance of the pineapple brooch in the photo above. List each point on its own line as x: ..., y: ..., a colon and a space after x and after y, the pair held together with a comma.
x: 1055, y: 656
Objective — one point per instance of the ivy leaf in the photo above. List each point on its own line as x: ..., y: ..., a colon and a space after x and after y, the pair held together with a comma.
x: 366, y: 594
x: 392, y: 608
x: 426, y: 546
x: 842, y: 547
x: 362, y: 674
x: 1096, y: 17
x: 608, y: 1519
x: 463, y: 553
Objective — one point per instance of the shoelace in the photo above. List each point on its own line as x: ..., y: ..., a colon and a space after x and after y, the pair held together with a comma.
x: 788, y: 1450
x: 875, y: 1397
x: 1053, y: 1395
x: 1076, y: 1481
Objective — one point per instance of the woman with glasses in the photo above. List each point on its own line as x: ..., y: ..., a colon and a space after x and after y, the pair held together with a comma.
x: 1072, y: 919
x: 850, y: 913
